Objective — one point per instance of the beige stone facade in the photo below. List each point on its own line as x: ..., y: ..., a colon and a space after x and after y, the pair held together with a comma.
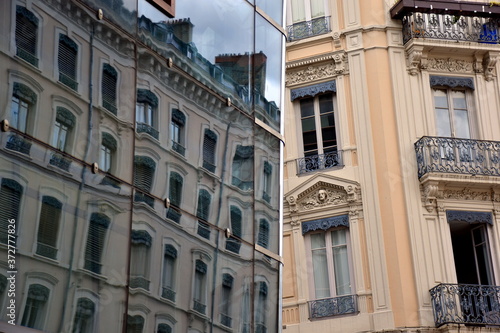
x: 412, y: 176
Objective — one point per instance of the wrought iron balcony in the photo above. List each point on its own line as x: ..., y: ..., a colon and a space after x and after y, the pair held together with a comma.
x: 68, y: 81
x: 199, y: 307
x: 174, y: 214
x: 226, y: 320
x: 139, y: 282
x: 450, y: 27
x: 203, y: 229
x: 60, y: 161
x: 19, y: 144
x: 314, y: 27
x: 462, y: 156
x: 334, y: 306
x: 46, y: 250
x: 146, y: 198
x: 178, y: 148
x: 146, y: 128
x: 466, y: 304
x: 168, y: 294
x: 319, y: 162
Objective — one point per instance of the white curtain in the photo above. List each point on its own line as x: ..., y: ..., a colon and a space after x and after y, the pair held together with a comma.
x: 298, y: 11
x: 320, y: 266
x: 317, y: 8
x: 340, y: 262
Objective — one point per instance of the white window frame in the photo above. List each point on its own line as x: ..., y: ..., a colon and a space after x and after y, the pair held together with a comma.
x: 469, y: 97
x: 330, y: 263
x: 307, y: 10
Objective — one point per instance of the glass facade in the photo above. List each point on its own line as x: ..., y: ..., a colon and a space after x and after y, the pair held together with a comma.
x: 140, y: 160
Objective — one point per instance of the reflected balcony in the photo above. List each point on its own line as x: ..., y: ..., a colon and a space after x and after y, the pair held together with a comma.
x: 458, y: 156
x: 27, y: 56
x: 334, y: 306
x: 209, y: 166
x: 199, y: 307
x: 146, y: 198
x: 305, y: 29
x: 19, y: 144
x: 319, y: 162
x: 139, y: 282
x: 168, y: 293
x: 466, y: 304
x: 68, y: 81
x: 203, y: 229
x: 60, y: 161
x: 226, y: 320
x: 174, y: 214
x: 177, y: 147
x: 146, y: 128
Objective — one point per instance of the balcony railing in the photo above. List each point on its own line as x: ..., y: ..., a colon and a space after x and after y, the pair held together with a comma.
x: 466, y: 304
x: 168, y: 293
x: 450, y: 27
x: 146, y: 198
x: 139, y: 282
x: 314, y: 27
x: 199, y: 307
x: 318, y: 162
x: 19, y: 144
x: 60, y: 161
x: 334, y: 306
x: 462, y: 156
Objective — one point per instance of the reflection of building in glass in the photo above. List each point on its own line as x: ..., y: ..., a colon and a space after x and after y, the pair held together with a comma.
x: 392, y: 164
x: 141, y: 181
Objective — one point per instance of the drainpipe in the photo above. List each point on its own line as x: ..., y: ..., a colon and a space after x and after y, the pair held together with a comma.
x: 81, y: 186
x: 216, y: 249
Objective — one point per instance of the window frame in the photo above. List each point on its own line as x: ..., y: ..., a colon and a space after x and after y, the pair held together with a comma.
x: 168, y: 290
x: 102, y: 222
x: 109, y: 75
x: 471, y: 115
x: 330, y: 263
x: 26, y: 55
x: 41, y: 315
x: 49, y: 203
x: 64, y: 47
x: 90, y: 326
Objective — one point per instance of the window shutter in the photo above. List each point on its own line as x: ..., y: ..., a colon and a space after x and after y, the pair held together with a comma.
x: 175, y: 189
x: 236, y: 221
x: 203, y: 204
x: 26, y: 35
x: 109, y: 79
x: 209, y: 144
x: 144, y: 172
x: 67, y: 57
x: 263, y: 239
x: 48, y: 228
x: 95, y: 241
x: 10, y: 199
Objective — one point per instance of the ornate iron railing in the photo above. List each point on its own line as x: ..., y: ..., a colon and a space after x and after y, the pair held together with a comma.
x: 145, y: 128
x: 314, y: 27
x: 462, y: 156
x: 19, y: 144
x: 319, y: 162
x: 203, y: 229
x: 27, y: 55
x: 450, y: 27
x: 68, y: 81
x: 199, y: 307
x: 209, y: 166
x: 178, y: 148
x: 168, y: 294
x: 466, y: 304
x: 143, y: 197
x: 226, y: 320
x: 233, y: 245
x: 60, y: 161
x: 334, y: 306
x: 174, y: 215
x: 139, y: 282
x: 46, y: 250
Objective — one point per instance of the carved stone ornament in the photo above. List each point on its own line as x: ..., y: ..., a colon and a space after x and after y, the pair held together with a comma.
x: 450, y: 65
x: 489, y: 63
x: 429, y: 193
x: 311, y: 73
x: 415, y: 63
x: 467, y: 194
x: 292, y: 204
x: 324, y: 194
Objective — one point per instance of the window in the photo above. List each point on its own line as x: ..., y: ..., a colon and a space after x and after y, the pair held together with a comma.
x: 209, y: 145
x: 245, y: 311
x: 84, y: 316
x: 48, y: 227
x: 177, y: 131
x: 26, y: 35
x: 233, y: 244
x: 135, y: 324
x: 309, y: 18
x: 175, y: 196
x: 200, y: 272
x: 144, y: 169
x: 10, y: 201
x: 168, y: 276
x: 36, y: 306
x: 108, y: 88
x: 164, y: 328
x: 67, y: 61
x: 225, y: 306
x: 263, y: 238
x: 261, y: 307
x: 65, y: 122
x: 145, y: 112
x: 106, y: 154
x: 267, y: 179
x: 203, y: 211
x: 23, y: 102
x: 330, y: 263
x: 98, y: 226
x: 243, y: 168
x: 139, y: 268
x: 452, y: 114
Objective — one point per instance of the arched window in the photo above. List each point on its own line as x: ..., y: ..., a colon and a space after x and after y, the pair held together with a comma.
x: 67, y: 61
x: 48, y: 227
x: 26, y: 35
x: 98, y: 227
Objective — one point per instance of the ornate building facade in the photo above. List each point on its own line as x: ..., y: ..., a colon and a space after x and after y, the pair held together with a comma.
x: 391, y: 166
x: 140, y: 166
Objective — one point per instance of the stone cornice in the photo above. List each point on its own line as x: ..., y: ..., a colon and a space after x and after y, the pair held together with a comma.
x: 315, y: 69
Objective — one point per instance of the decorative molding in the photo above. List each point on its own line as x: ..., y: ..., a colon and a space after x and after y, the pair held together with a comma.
x: 323, y: 197
x: 469, y: 217
x: 336, y: 64
x: 325, y: 224
x: 450, y: 65
x: 313, y: 90
x: 414, y: 57
x: 452, y: 82
x: 429, y: 194
x: 489, y: 64
x: 466, y: 194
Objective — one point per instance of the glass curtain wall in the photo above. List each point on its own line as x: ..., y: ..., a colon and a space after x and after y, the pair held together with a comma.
x: 92, y: 236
